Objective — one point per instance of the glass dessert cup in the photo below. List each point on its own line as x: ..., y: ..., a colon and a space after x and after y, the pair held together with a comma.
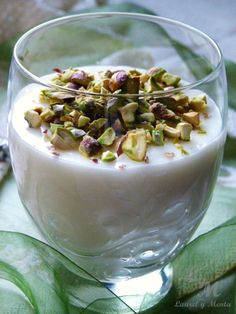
x: 122, y: 219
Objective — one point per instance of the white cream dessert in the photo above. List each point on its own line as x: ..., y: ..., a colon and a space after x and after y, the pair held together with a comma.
x: 133, y: 206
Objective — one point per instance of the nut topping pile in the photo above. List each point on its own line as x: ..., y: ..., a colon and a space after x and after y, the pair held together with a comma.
x: 104, y: 125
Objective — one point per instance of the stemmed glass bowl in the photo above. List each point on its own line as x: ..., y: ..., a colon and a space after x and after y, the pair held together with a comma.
x: 129, y: 220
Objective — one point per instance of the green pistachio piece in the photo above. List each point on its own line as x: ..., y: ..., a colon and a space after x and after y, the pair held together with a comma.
x: 160, y: 126
x: 127, y: 112
x: 63, y: 139
x: 148, y: 137
x: 91, y: 107
x: 68, y: 124
x: 89, y: 146
x: 152, y: 86
x: 192, y: 117
x: 185, y: 129
x: 81, y: 103
x: 143, y: 106
x: 53, y: 96
x: 66, y: 75
x: 158, y: 137
x: 108, y: 156
x: 108, y: 137
x: 75, y: 114
x: 47, y: 115
x: 97, y: 124
x: 83, y: 121
x: 198, y: 103
x: 135, y: 145
x: 134, y: 73
x: 96, y: 88
x: 45, y: 99
x: 54, y: 126
x: 168, y: 101
x: 181, y: 99
x: 147, y: 116
x: 33, y: 118
x: 156, y: 73
x: 144, y: 78
x: 161, y: 112
x: 170, y: 79
x: 171, y: 132
x: 57, y: 81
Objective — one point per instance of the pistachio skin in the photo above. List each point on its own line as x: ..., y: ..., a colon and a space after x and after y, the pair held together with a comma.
x: 80, y: 78
x: 89, y: 146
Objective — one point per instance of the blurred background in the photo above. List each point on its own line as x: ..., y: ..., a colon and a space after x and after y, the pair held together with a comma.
x: 216, y: 17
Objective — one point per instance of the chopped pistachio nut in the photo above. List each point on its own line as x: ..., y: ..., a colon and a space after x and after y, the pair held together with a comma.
x: 152, y: 86
x: 66, y: 75
x: 135, y: 145
x: 68, y: 124
x: 80, y: 78
x: 63, y: 139
x: 171, y: 132
x: 170, y: 79
x: 108, y: 137
x: 47, y: 114
x: 156, y: 73
x: 33, y: 118
x: 185, y: 129
x: 192, y: 117
x: 158, y: 137
x: 83, y: 121
x: 168, y: 101
x: 54, y: 126
x: 89, y: 146
x: 117, y: 80
x: 144, y: 78
x: 97, y: 124
x: 127, y: 112
x: 181, y: 99
x: 198, y: 103
x: 148, y: 137
x: 102, y: 120
x: 147, y: 116
x: 108, y: 156
x: 113, y: 104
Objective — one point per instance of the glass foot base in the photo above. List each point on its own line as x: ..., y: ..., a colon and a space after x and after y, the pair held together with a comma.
x: 145, y: 291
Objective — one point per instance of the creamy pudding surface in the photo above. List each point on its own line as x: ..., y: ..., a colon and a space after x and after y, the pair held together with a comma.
x: 112, y: 217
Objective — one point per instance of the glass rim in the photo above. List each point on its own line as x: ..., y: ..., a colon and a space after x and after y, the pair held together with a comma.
x: 139, y: 16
